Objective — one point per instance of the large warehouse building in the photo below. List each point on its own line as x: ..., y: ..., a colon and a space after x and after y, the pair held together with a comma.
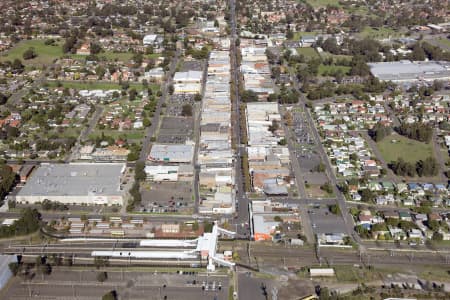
x: 409, y: 72
x: 79, y: 183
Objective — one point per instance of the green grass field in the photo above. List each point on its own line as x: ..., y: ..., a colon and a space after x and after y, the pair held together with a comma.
x: 92, y: 85
x: 113, y: 56
x: 380, y: 33
x: 328, y: 54
x: 332, y: 68
x: 409, y: 150
x: 323, y: 3
x: 133, y: 134
x: 46, y: 53
x: 444, y: 42
x: 299, y: 34
x: 308, y: 53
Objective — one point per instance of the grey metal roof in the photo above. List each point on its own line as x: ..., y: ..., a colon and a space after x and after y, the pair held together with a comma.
x: 404, y: 70
x: 77, y: 179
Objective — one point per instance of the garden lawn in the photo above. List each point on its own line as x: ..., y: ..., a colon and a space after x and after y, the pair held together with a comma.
x: 408, y: 149
x: 46, y: 54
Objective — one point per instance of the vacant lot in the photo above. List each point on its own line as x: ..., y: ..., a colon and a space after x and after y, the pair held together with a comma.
x: 46, y: 53
x: 395, y: 146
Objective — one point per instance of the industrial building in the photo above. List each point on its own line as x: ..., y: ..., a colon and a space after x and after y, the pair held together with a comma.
x: 406, y: 71
x: 169, y: 173
x: 79, y: 183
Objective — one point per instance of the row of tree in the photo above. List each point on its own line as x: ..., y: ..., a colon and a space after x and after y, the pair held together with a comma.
x: 28, y: 222
x: 426, y: 167
x: 416, y: 131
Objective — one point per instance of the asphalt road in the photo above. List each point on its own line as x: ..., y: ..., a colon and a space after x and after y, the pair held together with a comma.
x: 242, y: 211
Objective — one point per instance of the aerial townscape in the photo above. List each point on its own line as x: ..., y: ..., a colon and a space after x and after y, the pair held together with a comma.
x: 225, y: 149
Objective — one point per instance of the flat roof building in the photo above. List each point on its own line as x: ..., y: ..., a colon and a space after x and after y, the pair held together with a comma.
x: 79, y: 183
x: 172, y: 153
x: 408, y: 71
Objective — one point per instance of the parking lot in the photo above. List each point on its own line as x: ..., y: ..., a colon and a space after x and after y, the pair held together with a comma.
x: 175, y: 130
x: 167, y: 197
x: 176, y: 102
x: 323, y: 221
x: 192, y: 65
x: 307, y: 153
x: 83, y: 284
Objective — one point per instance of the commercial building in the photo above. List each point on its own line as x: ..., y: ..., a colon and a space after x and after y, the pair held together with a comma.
x: 410, y: 72
x: 172, y: 153
x: 263, y: 224
x: 152, y: 40
x: 79, y: 183
x: 215, y: 155
x: 189, y: 82
x: 169, y: 173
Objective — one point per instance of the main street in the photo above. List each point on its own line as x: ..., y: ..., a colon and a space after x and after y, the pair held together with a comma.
x: 242, y: 207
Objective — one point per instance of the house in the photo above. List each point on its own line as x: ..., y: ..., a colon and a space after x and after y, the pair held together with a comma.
x: 389, y: 214
x: 405, y: 216
x: 387, y: 186
x: 415, y: 234
x: 85, y: 49
x: 307, y: 40
x: 397, y: 233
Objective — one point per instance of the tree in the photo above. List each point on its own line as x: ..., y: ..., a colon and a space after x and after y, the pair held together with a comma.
x: 186, y: 110
x: 140, y: 174
x: 195, y: 226
x: 132, y: 94
x: 327, y: 188
x: 437, y: 236
x: 334, y: 209
x: 17, y: 65
x: 14, y: 267
x: 95, y: 48
x: 197, y: 97
x: 111, y: 295
x: 277, y: 219
x: 274, y: 127
x: 146, y: 122
x: 102, y: 276
x: 379, y: 132
x: 249, y: 96
x: 29, y: 54
x: 3, y: 98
